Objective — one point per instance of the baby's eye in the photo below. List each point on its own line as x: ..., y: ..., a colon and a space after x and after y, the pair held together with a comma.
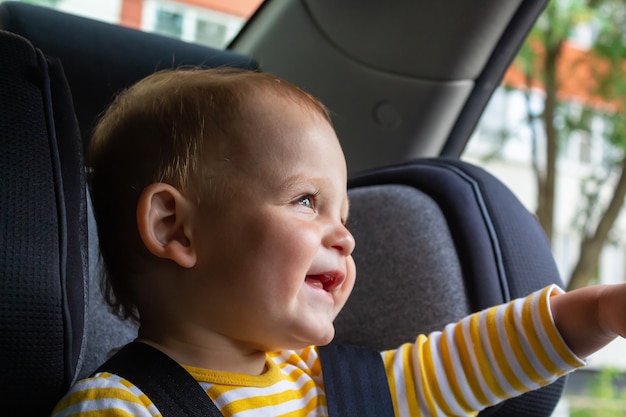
x: 305, y: 201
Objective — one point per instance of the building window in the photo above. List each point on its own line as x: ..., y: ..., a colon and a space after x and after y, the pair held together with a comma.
x: 211, y: 33
x: 168, y: 23
x: 584, y: 149
x: 190, y: 23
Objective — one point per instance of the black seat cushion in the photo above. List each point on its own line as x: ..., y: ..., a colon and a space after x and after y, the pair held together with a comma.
x: 101, y: 59
x: 43, y: 257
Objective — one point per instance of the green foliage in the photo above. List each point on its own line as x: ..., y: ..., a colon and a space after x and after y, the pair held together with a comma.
x: 554, y: 26
x: 48, y: 3
x: 605, y: 63
x: 607, y: 22
x: 605, y: 399
x: 615, y: 132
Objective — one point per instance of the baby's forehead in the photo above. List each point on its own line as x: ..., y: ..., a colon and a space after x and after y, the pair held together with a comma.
x: 275, y: 123
x: 262, y: 119
x: 276, y: 94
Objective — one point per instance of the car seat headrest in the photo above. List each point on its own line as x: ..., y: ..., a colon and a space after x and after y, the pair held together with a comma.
x: 100, y: 59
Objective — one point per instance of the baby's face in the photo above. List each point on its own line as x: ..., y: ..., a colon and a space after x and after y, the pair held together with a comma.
x: 276, y: 259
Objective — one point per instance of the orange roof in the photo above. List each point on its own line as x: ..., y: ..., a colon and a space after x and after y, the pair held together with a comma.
x: 577, y: 73
x: 132, y: 9
x: 243, y: 8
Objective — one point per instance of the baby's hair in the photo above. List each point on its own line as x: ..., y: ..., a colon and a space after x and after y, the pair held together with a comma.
x: 177, y: 127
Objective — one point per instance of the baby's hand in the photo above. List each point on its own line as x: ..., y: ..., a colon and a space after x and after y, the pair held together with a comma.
x: 591, y: 317
x: 612, y: 310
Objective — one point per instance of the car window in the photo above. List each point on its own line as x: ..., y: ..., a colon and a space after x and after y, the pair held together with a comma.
x: 207, y: 22
x: 560, y: 101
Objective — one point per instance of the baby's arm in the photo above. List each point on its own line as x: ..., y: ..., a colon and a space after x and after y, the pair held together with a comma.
x: 486, y: 357
x: 589, y: 318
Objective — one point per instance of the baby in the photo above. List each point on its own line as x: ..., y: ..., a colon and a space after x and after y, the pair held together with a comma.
x: 221, y: 202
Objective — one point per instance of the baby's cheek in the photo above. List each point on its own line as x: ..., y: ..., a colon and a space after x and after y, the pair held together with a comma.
x: 350, y: 271
x: 346, y: 288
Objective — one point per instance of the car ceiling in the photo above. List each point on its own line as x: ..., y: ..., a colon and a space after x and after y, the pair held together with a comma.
x: 403, y: 78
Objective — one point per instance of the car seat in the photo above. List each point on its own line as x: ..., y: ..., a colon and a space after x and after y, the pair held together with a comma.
x: 100, y: 59
x: 43, y: 233
x: 437, y: 239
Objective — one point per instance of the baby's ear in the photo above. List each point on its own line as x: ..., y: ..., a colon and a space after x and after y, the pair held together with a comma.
x: 164, y: 221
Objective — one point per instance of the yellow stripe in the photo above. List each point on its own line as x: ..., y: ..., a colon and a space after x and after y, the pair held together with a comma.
x: 124, y: 382
x: 428, y: 396
x: 310, y: 406
x: 450, y: 370
x: 466, y: 364
x: 388, y: 358
x: 251, y: 403
x: 98, y: 413
x: 316, y: 368
x: 295, y: 374
x: 535, y: 344
x: 99, y: 394
x: 409, y: 377
x: 516, y: 344
x: 503, y: 364
x: 482, y: 359
x: 214, y: 391
x: 102, y: 393
x: 218, y: 389
x: 428, y: 365
x: 553, y: 334
x: 304, y: 354
x: 290, y: 360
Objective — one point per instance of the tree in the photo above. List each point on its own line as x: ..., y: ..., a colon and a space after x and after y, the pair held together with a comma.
x: 50, y: 3
x: 541, y: 60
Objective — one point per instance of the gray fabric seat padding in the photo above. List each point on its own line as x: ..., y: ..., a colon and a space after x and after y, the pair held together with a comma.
x: 408, y: 275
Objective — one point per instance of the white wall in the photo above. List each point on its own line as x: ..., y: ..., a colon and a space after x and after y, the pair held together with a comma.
x: 104, y: 10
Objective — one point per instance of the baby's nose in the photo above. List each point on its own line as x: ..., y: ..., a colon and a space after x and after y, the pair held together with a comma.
x: 342, y: 240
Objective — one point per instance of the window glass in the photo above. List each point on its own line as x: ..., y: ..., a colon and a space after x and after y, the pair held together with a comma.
x: 168, y: 23
x: 562, y: 100
x: 211, y: 33
x: 208, y: 22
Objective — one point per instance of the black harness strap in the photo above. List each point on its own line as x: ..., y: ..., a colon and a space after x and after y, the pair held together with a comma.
x: 168, y: 385
x: 354, y: 380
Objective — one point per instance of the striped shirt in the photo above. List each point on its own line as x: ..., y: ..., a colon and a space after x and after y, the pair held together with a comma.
x: 485, y: 358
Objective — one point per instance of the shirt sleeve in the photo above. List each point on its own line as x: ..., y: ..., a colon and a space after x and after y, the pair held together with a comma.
x: 487, y: 357
x: 105, y: 395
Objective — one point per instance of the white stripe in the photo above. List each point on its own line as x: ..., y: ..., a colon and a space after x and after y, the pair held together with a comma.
x: 442, y: 380
x: 461, y: 377
x: 398, y: 376
x: 286, y: 356
x: 102, y: 404
x: 319, y: 411
x: 528, y: 352
x: 491, y: 397
x: 494, y: 366
x: 547, y: 348
x: 542, y: 333
x: 508, y: 350
x: 277, y: 388
x: 312, y: 358
x: 282, y: 408
x: 113, y: 381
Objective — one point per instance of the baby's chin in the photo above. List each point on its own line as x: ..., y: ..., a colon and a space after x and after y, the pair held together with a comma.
x: 320, y: 340
x: 326, y: 340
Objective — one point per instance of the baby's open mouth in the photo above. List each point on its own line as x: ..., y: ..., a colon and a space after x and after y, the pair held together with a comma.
x: 324, y: 282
